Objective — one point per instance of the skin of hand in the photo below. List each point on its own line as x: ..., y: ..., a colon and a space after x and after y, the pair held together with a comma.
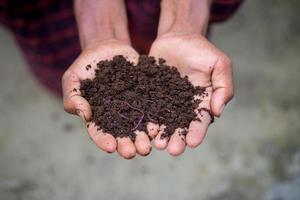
x: 103, y: 35
x: 186, y: 48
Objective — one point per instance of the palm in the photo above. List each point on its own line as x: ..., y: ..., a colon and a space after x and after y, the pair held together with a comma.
x: 76, y: 104
x: 194, y: 57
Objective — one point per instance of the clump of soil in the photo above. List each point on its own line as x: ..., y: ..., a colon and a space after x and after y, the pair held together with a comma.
x: 124, y: 97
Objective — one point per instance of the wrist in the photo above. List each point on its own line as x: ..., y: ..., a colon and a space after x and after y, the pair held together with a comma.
x: 184, y: 17
x: 100, y: 44
x: 101, y: 21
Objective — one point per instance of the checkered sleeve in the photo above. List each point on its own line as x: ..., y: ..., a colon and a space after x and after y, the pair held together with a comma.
x: 222, y: 10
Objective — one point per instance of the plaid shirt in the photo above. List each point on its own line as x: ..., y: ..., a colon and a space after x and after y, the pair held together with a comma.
x: 47, y: 34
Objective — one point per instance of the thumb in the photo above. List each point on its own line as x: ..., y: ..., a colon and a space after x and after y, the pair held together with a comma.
x: 74, y: 103
x: 222, y: 85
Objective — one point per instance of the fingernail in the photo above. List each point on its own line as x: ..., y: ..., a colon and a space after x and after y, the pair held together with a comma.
x: 221, y: 109
x: 81, y: 115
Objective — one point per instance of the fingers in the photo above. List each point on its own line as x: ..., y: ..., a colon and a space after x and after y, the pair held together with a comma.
x: 161, y: 143
x: 142, y: 143
x: 73, y: 102
x: 176, y: 145
x: 197, y: 130
x: 222, y: 85
x: 104, y: 141
x: 152, y: 129
x: 78, y: 105
x: 126, y: 148
x: 220, y: 98
x: 132, y: 56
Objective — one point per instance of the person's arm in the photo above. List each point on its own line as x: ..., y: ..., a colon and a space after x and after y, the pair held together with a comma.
x: 100, y: 21
x: 181, y: 41
x: 184, y: 16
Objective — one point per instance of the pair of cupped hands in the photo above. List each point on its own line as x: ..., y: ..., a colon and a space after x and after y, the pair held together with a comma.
x: 192, y: 54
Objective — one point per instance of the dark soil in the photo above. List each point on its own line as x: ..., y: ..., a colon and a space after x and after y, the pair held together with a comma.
x: 124, y: 97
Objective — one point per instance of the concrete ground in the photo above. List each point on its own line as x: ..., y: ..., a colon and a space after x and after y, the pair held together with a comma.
x: 252, y: 152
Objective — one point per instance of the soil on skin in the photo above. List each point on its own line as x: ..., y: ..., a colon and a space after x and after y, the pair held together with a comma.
x: 124, y: 97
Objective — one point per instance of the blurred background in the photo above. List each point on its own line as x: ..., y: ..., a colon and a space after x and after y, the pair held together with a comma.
x: 252, y: 152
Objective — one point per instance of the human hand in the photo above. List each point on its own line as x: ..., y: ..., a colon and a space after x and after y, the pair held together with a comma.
x: 206, y: 66
x: 74, y: 103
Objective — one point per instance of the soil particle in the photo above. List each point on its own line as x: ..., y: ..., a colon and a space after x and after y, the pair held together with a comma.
x: 124, y: 97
